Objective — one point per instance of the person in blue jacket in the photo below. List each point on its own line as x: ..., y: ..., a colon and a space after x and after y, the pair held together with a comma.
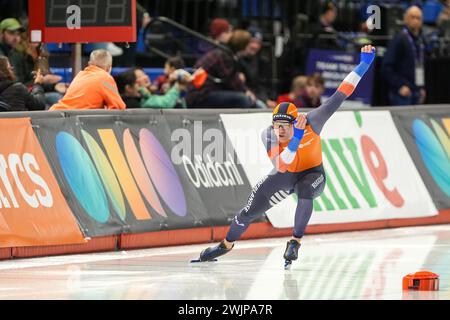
x: 404, y: 63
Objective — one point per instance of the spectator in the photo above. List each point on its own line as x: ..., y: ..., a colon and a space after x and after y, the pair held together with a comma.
x: 323, y: 32
x: 133, y: 86
x: 26, y: 58
x: 310, y: 96
x: 14, y: 96
x: 403, y: 65
x: 128, y: 88
x: 221, y: 31
x: 10, y: 30
x: 223, y: 88
x: 306, y: 96
x: 143, y: 79
x: 443, y: 20
x: 94, y: 87
x: 249, y: 67
x: 298, y: 85
x: 162, y: 83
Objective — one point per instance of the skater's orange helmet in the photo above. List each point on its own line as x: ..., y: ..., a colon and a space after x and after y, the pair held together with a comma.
x: 285, y: 111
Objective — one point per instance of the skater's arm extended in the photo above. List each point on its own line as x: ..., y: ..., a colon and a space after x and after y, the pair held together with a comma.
x: 319, y: 116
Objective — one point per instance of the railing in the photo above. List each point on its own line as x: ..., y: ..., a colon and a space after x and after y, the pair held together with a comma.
x: 183, y: 28
x: 272, y: 82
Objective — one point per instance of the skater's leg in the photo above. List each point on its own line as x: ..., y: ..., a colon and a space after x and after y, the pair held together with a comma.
x: 309, y: 187
x: 267, y: 193
x: 302, y: 216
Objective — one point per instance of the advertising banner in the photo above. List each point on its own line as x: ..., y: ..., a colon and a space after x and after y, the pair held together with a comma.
x: 203, y: 153
x: 33, y: 211
x: 370, y: 175
x: 146, y: 172
x: 334, y: 66
x: 427, y: 138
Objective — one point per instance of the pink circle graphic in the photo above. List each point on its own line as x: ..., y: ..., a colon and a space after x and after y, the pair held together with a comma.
x: 140, y: 173
x: 162, y: 172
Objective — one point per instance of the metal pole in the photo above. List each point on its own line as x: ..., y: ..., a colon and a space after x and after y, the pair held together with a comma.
x: 76, y: 59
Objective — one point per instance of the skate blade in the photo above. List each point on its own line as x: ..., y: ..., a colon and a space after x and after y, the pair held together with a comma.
x: 198, y: 260
x: 287, y: 264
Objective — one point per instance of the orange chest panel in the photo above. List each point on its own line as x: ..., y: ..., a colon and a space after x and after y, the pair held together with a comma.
x: 309, y: 152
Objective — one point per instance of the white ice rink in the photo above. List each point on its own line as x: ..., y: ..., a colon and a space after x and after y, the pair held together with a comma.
x: 352, y: 265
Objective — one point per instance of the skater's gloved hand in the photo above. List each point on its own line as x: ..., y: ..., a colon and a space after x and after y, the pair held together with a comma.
x: 367, y: 54
x: 299, y: 126
x: 367, y: 57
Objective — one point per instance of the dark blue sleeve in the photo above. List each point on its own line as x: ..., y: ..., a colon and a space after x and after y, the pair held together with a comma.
x: 318, y: 117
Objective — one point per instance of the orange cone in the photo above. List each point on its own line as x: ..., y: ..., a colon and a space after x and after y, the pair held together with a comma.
x: 421, y: 281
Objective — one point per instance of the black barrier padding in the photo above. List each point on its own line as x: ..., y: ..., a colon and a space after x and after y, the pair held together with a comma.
x: 205, y: 206
x: 222, y: 202
x: 47, y: 130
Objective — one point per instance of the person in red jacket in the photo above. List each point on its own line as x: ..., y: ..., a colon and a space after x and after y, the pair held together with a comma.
x: 94, y: 87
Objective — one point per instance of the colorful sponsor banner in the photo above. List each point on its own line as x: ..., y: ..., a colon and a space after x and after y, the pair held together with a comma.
x: 370, y: 175
x: 140, y: 172
x: 334, y: 66
x: 120, y: 173
x: 33, y: 211
x: 202, y: 151
x: 427, y: 137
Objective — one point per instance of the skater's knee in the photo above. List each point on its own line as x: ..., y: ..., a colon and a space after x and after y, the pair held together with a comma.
x: 247, y: 217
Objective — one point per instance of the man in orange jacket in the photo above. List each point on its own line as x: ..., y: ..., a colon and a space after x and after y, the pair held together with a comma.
x: 94, y: 87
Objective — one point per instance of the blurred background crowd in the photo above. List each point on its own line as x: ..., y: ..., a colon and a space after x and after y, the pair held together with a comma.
x: 240, y: 54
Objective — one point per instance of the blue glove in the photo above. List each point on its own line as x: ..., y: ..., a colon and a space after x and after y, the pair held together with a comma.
x: 295, y: 141
x: 298, y: 133
x: 366, y: 60
x: 368, y: 57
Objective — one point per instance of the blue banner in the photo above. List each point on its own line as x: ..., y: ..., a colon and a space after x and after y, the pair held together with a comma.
x: 334, y: 66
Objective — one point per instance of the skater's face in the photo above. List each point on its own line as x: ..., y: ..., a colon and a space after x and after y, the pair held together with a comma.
x: 283, y: 130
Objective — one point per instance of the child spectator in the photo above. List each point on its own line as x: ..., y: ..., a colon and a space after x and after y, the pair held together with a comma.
x: 298, y: 84
x: 162, y: 83
x: 133, y: 87
x: 305, y: 96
